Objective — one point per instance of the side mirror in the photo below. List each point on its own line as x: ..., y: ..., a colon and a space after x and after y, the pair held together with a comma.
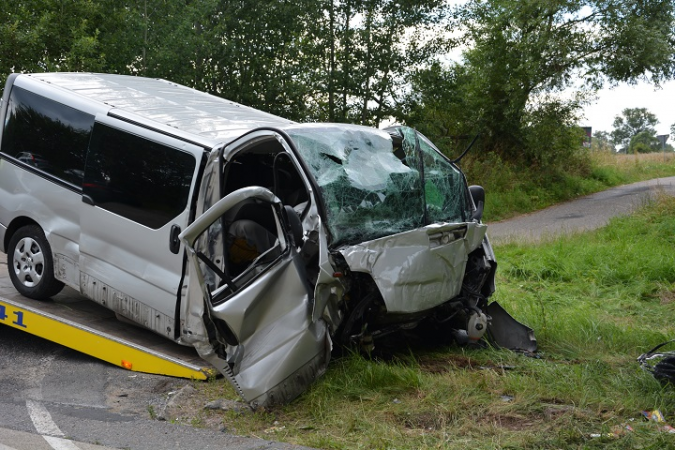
x: 478, y: 196
x: 292, y: 218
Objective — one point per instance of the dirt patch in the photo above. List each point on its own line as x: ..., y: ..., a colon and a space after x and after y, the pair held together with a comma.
x: 135, y: 394
x: 425, y: 420
x: 170, y: 399
x: 553, y: 412
x: 443, y: 364
x: 667, y: 297
x: 509, y: 422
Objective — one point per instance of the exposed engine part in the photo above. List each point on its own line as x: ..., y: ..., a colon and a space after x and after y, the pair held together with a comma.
x: 460, y: 337
x: 476, y: 325
x: 478, y: 273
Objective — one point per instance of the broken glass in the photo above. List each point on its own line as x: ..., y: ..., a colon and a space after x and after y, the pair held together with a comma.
x: 445, y: 191
x: 372, y: 189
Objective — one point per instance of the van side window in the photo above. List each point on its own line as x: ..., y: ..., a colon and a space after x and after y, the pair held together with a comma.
x: 47, y: 135
x: 135, y: 178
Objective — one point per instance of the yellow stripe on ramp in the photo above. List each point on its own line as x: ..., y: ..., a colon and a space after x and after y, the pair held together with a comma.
x: 97, y: 344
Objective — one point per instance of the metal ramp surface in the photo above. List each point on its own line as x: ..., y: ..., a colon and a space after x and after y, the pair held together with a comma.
x: 78, y: 323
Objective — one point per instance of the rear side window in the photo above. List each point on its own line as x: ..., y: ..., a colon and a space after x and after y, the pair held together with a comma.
x: 136, y: 178
x: 47, y: 135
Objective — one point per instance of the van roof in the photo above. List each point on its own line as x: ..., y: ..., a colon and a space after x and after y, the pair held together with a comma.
x: 166, y: 103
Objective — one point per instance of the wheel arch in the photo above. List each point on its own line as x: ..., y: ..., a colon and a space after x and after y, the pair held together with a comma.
x: 15, y: 225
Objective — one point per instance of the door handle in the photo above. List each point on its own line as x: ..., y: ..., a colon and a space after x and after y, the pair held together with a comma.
x: 174, y: 242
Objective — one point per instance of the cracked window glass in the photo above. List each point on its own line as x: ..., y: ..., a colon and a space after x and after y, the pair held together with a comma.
x: 445, y: 192
x: 373, y: 188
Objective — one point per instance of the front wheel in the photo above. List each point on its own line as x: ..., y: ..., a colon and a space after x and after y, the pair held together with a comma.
x: 30, y: 263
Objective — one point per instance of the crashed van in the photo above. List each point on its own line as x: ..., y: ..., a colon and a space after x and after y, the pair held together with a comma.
x: 260, y: 242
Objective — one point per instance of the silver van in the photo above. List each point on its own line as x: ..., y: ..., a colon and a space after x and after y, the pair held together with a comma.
x: 258, y: 241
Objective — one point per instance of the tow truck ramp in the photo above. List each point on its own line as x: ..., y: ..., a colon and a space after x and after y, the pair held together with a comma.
x: 82, y: 325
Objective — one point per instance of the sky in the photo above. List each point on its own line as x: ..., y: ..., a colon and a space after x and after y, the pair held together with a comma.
x: 661, y: 102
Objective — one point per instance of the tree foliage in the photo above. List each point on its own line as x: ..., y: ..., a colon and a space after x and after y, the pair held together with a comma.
x: 252, y: 52
x: 372, y: 45
x: 634, y: 131
x: 521, y: 55
x: 57, y: 35
x: 602, y: 141
x: 337, y: 60
x: 364, y: 61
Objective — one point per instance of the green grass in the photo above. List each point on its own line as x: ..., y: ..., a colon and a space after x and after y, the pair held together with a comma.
x: 596, y: 301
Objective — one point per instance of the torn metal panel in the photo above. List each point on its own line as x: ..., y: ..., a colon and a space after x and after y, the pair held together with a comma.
x: 507, y: 332
x: 420, y: 269
x: 329, y: 290
x: 272, y: 319
x: 261, y: 331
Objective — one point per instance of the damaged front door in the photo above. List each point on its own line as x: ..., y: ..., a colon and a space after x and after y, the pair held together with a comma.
x: 256, y: 301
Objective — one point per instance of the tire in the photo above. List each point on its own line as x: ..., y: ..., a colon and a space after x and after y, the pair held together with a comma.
x: 30, y: 264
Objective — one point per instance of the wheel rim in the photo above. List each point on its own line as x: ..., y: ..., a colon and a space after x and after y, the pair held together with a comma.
x: 28, y: 262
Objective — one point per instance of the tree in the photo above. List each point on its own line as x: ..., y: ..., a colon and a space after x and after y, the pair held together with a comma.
x: 644, y: 142
x: 521, y: 54
x: 335, y: 60
x: 602, y: 141
x: 77, y: 35
x: 367, y: 49
x: 251, y: 51
x: 439, y: 105
x: 635, y: 126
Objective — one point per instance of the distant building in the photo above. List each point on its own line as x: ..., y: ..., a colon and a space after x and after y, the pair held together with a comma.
x: 662, y: 139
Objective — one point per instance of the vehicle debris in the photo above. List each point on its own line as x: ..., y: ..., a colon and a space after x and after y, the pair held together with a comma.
x: 659, y: 364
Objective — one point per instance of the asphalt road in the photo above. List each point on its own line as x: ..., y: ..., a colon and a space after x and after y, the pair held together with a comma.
x: 583, y: 214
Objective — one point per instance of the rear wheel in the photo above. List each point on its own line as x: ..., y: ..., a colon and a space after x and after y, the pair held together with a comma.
x: 30, y: 263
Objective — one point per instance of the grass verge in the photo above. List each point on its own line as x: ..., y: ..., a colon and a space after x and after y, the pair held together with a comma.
x: 596, y: 302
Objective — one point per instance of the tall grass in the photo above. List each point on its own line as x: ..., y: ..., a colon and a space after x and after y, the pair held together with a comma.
x: 596, y: 301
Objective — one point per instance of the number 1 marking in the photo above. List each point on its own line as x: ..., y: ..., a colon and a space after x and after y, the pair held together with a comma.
x: 19, y: 319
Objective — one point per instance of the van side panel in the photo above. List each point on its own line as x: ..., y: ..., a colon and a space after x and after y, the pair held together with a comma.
x: 28, y: 196
x: 3, y: 233
x: 136, y: 193
x: 112, y: 214
x: 43, y: 150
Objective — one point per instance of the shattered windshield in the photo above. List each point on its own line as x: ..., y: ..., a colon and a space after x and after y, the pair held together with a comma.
x: 374, y: 186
